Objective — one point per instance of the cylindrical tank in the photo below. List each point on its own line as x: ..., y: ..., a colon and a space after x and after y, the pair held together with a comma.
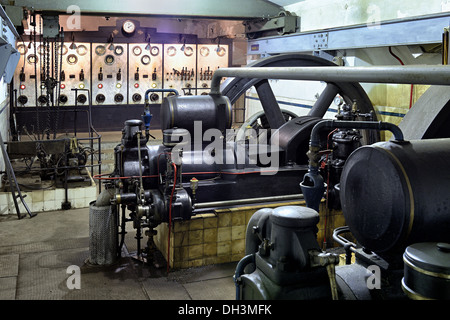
x: 397, y: 193
x: 183, y: 111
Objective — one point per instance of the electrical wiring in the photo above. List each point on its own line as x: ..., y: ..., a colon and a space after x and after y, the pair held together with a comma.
x: 412, y: 86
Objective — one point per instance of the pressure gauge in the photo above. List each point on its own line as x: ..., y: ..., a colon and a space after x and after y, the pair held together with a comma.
x: 58, y: 48
x: 72, y: 59
x: 204, y: 51
x: 137, y: 50
x: 145, y: 60
x: 22, y: 49
x: 100, y: 50
x: 32, y: 59
x: 221, y: 51
x: 81, y: 50
x: 338, y: 100
x: 154, y: 51
x: 188, y: 51
x: 129, y: 27
x: 118, y: 50
x: 109, y: 59
x: 41, y: 50
x: 171, y: 51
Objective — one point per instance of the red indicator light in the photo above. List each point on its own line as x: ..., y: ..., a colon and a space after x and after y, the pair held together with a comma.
x: 22, y: 87
x: 62, y: 86
x: 100, y: 86
x: 136, y: 85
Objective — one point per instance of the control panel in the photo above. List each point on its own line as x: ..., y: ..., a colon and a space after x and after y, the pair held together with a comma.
x: 109, y: 73
x: 145, y: 61
x: 179, y: 68
x: 117, y: 73
x: 210, y: 58
x: 75, y: 74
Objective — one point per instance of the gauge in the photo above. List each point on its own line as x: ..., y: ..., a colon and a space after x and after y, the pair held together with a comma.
x: 188, y: 51
x: 145, y: 59
x: 100, y: 50
x: 72, y: 59
x: 41, y: 50
x: 171, y: 51
x: 204, y: 51
x: 154, y: 51
x: 32, y: 59
x: 64, y: 51
x: 118, y: 50
x: 81, y: 50
x: 22, y: 49
x: 338, y: 100
x: 129, y: 26
x: 137, y: 50
x: 221, y: 51
x: 109, y: 59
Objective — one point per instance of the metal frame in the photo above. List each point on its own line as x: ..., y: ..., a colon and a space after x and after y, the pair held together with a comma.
x: 411, y: 31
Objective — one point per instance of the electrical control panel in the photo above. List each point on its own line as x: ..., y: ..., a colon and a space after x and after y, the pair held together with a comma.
x: 210, y: 58
x: 27, y: 78
x: 116, y: 73
x: 109, y: 73
x: 179, y: 68
x: 145, y: 61
x: 75, y: 74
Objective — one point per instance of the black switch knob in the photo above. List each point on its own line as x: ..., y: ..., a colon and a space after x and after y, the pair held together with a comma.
x: 100, y: 75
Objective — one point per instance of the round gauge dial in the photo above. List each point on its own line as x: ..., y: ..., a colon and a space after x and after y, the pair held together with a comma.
x: 41, y: 50
x: 137, y: 50
x: 118, y: 50
x: 204, y: 51
x: 171, y: 51
x: 109, y: 59
x: 129, y: 26
x: 145, y: 59
x: 100, y: 50
x: 82, y: 50
x: 64, y: 49
x: 72, y: 59
x: 32, y: 59
x: 22, y: 49
x: 221, y: 51
x: 188, y: 51
x: 154, y: 51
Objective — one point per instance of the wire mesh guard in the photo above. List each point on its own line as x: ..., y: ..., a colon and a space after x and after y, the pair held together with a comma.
x: 102, y: 234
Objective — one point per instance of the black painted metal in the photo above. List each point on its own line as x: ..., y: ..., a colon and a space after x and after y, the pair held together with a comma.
x: 407, y: 199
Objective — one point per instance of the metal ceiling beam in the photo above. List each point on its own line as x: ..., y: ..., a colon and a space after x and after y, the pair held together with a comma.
x: 229, y: 9
x: 411, y: 31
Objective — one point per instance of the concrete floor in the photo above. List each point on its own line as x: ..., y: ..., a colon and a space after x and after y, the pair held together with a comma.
x: 35, y: 255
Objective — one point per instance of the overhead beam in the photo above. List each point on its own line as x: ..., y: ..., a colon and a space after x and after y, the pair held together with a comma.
x: 229, y: 9
x: 411, y: 31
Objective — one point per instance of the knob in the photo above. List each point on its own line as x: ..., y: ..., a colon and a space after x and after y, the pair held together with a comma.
x: 100, y: 98
x: 81, y: 98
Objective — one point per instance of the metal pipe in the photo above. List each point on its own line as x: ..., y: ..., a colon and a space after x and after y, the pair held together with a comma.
x: 247, y: 201
x: 430, y: 75
x: 314, y: 143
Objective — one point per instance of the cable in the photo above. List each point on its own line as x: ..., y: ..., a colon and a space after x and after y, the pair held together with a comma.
x: 412, y: 86
x: 170, y: 214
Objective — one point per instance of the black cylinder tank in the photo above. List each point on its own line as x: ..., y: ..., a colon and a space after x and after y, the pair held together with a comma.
x: 182, y: 111
x: 395, y: 194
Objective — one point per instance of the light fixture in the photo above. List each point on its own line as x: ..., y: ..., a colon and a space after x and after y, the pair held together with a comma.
x: 218, y: 45
x: 111, y: 40
x: 73, y: 46
x: 148, y: 46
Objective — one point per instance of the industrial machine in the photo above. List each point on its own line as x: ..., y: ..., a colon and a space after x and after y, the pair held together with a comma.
x: 175, y: 180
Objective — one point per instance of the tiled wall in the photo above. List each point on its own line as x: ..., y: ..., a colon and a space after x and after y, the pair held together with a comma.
x: 49, y: 200
x: 220, y: 237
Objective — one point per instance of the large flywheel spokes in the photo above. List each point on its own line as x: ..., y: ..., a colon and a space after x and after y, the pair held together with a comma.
x: 233, y: 88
